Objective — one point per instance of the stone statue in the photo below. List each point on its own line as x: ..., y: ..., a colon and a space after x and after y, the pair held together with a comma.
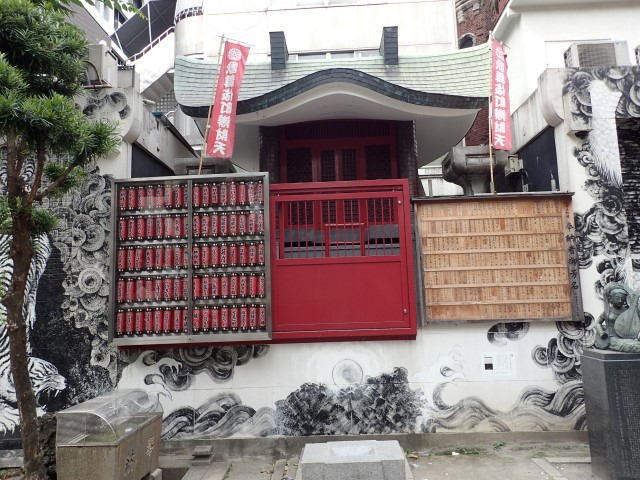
x: 618, y: 327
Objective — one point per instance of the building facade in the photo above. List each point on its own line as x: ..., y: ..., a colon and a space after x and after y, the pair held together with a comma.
x: 365, y: 101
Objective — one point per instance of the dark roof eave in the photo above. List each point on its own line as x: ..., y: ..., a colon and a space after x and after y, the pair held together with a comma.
x: 354, y: 77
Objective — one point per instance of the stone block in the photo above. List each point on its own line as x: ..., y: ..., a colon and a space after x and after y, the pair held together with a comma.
x: 201, y: 461
x: 611, y: 385
x: 202, y: 451
x: 356, y: 460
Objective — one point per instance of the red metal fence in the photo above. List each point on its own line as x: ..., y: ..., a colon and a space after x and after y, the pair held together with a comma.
x: 342, y: 260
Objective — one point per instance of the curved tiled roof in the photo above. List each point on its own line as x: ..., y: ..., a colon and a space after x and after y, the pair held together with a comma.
x: 458, y: 79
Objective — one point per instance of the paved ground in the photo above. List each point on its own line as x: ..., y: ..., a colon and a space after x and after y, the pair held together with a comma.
x: 500, y: 460
x: 504, y: 460
x: 495, y: 459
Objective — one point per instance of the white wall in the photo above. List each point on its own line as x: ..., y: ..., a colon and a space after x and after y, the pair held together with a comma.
x: 159, y: 141
x: 445, y: 371
x: 156, y: 62
x: 538, y: 38
x: 424, y: 26
x: 246, y: 151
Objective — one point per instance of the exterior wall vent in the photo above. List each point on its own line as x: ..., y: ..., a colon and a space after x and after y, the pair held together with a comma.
x: 597, y: 54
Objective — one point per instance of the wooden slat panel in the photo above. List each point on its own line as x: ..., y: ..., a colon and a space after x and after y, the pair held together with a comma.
x: 495, y: 258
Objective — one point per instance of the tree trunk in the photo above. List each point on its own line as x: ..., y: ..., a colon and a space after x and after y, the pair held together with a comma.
x: 21, y: 254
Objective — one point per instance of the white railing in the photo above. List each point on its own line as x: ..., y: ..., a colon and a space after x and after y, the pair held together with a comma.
x: 156, y: 41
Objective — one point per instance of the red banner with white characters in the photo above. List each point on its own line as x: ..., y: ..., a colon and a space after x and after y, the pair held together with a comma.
x: 500, y: 109
x: 223, y: 116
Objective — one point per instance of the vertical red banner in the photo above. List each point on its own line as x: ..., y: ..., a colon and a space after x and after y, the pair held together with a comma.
x: 223, y: 116
x: 500, y: 108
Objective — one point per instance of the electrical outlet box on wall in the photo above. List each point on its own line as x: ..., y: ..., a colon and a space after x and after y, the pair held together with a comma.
x: 514, y: 165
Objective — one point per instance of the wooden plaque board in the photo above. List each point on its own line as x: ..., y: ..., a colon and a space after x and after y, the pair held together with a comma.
x: 499, y: 258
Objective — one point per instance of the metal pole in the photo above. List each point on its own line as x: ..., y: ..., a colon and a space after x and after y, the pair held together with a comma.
x: 492, y: 185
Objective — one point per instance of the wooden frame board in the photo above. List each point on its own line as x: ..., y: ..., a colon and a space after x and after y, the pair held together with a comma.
x: 505, y: 257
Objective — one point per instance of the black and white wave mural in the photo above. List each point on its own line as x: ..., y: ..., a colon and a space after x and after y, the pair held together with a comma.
x: 502, y: 333
x: 382, y: 404
x: 562, y: 353
x: 221, y: 416
x: 536, y: 409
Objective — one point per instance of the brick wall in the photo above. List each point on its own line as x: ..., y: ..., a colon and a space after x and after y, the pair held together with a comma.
x: 269, y: 153
x: 475, y: 20
x: 408, y: 156
x: 479, y: 133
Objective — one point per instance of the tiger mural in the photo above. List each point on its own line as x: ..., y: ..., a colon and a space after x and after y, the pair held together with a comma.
x: 45, y: 377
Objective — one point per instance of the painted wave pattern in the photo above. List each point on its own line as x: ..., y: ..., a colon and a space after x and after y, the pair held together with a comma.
x: 382, y: 404
x: 562, y: 353
x: 176, y: 367
x: 537, y: 409
x: 502, y: 333
x: 221, y: 416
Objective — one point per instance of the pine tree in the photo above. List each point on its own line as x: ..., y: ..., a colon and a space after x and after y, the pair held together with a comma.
x: 41, y: 69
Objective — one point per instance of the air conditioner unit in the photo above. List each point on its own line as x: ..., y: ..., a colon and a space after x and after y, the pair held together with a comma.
x: 101, y: 67
x: 597, y: 54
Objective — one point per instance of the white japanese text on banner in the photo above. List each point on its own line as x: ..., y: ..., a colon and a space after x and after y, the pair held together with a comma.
x: 500, y: 109
x: 223, y: 115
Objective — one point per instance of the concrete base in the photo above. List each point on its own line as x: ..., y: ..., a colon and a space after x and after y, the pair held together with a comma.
x: 280, y: 447
x: 357, y: 460
x: 611, y: 386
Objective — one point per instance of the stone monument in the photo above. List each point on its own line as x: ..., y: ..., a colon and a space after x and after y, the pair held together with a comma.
x: 356, y: 460
x: 611, y: 376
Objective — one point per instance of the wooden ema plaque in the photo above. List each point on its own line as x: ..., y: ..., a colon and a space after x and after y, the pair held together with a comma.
x: 499, y: 258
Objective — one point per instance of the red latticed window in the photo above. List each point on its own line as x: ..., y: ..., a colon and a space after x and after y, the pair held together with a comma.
x: 337, y: 224
x: 338, y: 150
x: 351, y: 211
x: 300, y: 213
x: 329, y: 212
x: 299, y: 165
x: 380, y: 210
x: 378, y: 161
x: 327, y: 166
x: 349, y: 165
x: 341, y: 211
x: 337, y: 129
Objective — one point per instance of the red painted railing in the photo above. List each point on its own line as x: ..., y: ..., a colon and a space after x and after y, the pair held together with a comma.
x: 342, y: 260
